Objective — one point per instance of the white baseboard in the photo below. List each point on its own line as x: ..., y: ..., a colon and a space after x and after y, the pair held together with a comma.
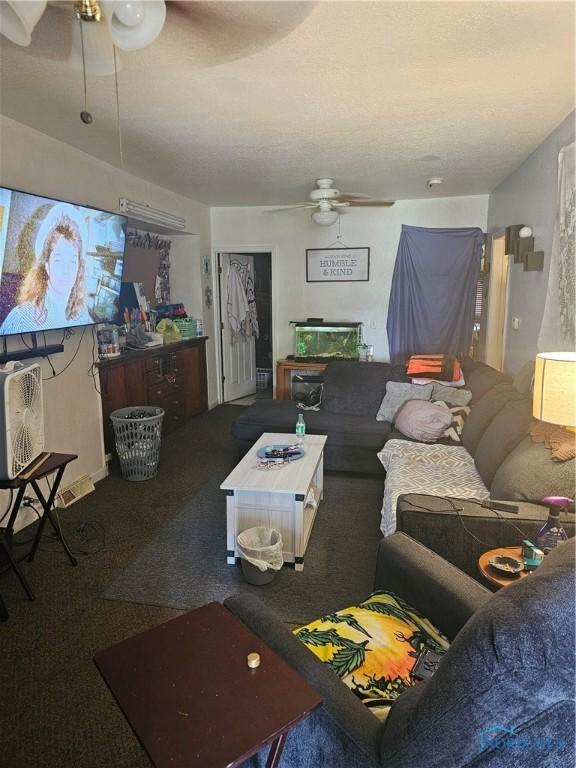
x: 100, y: 474
x: 27, y: 515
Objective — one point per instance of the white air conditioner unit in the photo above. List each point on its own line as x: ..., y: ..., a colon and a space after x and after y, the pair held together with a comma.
x: 149, y: 215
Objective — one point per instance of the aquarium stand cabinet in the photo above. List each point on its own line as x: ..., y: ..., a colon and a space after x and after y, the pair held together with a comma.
x: 286, y: 369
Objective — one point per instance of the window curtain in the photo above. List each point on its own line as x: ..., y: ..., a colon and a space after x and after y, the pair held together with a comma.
x: 433, y: 292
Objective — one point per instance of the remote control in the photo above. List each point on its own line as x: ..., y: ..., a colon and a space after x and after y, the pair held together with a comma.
x: 500, y: 506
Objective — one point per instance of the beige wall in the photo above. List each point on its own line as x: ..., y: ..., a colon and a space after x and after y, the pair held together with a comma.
x: 289, y: 234
x: 34, y: 162
x: 528, y: 196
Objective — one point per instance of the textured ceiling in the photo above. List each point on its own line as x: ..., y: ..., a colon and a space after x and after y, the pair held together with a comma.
x: 246, y: 103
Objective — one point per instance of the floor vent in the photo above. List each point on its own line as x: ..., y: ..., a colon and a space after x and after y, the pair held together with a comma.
x: 76, y: 490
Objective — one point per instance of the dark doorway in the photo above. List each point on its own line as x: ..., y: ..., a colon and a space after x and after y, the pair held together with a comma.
x: 263, y: 291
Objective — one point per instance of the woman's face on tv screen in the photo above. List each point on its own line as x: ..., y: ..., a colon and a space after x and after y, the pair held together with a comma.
x: 62, y: 267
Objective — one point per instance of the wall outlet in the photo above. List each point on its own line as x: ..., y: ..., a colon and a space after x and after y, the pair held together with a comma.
x: 516, y: 323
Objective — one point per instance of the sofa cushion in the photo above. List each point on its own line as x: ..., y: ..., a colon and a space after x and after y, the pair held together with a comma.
x: 483, y: 379
x: 461, y: 538
x: 438, y: 470
x: 529, y: 474
x: 436, y: 453
x: 358, y: 388
x: 281, y: 416
x: 398, y: 393
x: 506, y: 430
x: 407, y: 476
x: 458, y: 415
x: 265, y: 416
x: 451, y: 395
x: 524, y: 379
x: 423, y: 420
x: 483, y: 412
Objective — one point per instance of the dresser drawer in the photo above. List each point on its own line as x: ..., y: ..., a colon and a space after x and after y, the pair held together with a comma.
x: 162, y: 362
x: 162, y: 373
x: 165, y: 395
x: 154, y: 377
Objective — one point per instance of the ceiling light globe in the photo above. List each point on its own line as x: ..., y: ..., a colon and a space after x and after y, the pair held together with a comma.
x: 129, y: 13
x: 134, y: 24
x: 17, y: 20
x: 325, y: 218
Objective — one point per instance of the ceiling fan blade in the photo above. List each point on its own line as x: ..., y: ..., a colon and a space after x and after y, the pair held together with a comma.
x: 338, y: 204
x: 206, y: 34
x: 353, y: 196
x: 372, y: 203
x: 292, y: 208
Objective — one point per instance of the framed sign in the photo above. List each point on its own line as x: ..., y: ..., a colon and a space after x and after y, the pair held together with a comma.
x: 337, y: 265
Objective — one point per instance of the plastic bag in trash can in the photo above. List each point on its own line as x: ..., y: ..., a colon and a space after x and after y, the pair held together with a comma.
x: 262, y: 547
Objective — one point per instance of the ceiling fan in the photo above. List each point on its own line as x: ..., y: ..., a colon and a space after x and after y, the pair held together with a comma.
x: 329, y: 202
x: 199, y: 34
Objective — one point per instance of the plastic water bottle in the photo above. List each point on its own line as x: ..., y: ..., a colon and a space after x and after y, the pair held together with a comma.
x: 551, y: 534
x: 300, y: 429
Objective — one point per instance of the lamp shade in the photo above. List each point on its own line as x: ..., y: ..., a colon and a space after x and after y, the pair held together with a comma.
x: 555, y: 388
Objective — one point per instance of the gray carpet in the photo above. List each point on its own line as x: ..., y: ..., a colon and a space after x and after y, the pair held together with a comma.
x: 185, y: 565
x: 55, y: 710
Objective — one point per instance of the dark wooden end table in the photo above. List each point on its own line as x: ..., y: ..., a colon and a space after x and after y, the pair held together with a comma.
x: 494, y: 576
x: 44, y: 465
x: 186, y: 690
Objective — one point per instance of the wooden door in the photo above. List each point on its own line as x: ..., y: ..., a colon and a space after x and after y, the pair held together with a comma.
x: 497, y: 303
x: 238, y: 349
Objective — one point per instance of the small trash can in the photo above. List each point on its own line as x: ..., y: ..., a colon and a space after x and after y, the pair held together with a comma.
x: 138, y: 431
x: 260, y: 550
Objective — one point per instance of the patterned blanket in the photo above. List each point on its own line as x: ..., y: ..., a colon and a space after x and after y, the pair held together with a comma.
x: 432, y: 469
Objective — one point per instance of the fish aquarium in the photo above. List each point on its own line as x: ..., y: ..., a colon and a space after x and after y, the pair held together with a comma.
x: 318, y: 341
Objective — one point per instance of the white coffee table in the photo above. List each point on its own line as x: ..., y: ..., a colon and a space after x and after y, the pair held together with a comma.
x: 276, y: 497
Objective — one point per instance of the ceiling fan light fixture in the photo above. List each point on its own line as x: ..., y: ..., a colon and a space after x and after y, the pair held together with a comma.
x: 98, y: 50
x: 325, y: 218
x: 134, y: 24
x: 18, y: 19
x: 130, y: 13
x: 87, y: 10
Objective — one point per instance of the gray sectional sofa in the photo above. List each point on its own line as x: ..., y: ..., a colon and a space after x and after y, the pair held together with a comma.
x: 351, y: 398
x: 495, y: 435
x: 501, y: 676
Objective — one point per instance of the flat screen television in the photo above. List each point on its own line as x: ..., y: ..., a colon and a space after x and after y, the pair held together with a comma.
x: 61, y: 264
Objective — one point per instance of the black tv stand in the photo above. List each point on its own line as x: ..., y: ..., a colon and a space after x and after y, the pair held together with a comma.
x: 27, y: 353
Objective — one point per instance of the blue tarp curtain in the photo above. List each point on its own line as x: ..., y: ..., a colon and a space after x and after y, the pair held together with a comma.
x: 433, y: 291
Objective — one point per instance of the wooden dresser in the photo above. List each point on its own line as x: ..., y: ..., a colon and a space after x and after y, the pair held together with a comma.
x: 172, y: 377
